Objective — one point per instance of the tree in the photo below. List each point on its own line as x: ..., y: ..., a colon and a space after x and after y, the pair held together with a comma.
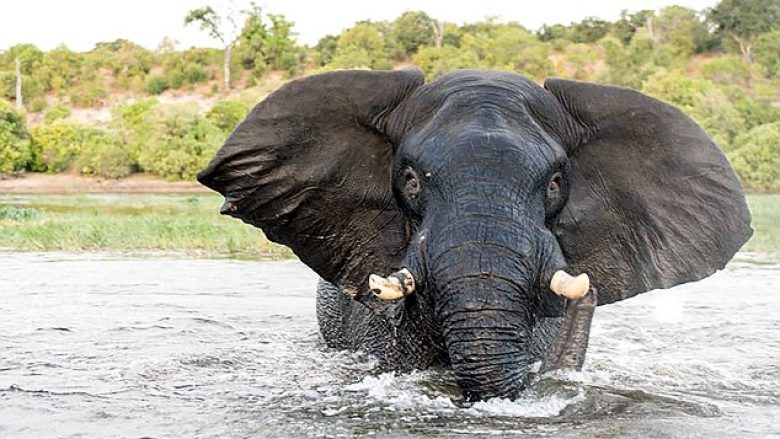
x: 589, y: 30
x: 553, y: 32
x: 744, y: 20
x: 681, y: 31
x: 631, y: 65
x: 435, y: 61
x: 439, y: 30
x: 19, y: 99
x: 625, y: 28
x: 578, y: 62
x: 757, y: 157
x: 414, y: 29
x: 362, y: 46
x: 280, y: 51
x: 228, y: 34
x: 14, y: 140
x: 59, y: 69
x: 261, y: 46
x: 767, y: 52
x: 507, y: 47
x: 326, y: 49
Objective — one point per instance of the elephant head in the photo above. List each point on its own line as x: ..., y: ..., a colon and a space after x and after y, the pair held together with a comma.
x: 475, y: 190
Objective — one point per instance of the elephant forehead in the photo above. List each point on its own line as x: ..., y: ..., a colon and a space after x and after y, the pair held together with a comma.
x: 500, y: 98
x: 480, y: 114
x: 478, y: 145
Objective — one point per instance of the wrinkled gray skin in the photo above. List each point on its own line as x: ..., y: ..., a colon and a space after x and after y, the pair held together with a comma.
x: 347, y: 324
x: 482, y: 184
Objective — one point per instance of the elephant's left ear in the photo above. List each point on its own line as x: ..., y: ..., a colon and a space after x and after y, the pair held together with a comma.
x: 311, y: 166
x: 653, y: 202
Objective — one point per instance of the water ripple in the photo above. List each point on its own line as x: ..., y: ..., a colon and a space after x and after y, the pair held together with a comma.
x: 105, y: 346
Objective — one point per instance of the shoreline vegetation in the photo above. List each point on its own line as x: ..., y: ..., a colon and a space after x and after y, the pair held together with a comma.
x: 121, y: 109
x: 176, y: 222
x: 99, y: 149
x: 155, y: 216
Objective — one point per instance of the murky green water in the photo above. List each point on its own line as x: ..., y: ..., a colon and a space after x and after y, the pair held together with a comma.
x: 115, y: 346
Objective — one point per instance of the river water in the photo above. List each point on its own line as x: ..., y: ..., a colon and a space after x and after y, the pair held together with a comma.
x: 101, y: 345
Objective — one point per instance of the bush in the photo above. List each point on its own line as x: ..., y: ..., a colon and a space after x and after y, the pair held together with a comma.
x: 104, y: 157
x: 18, y: 213
x: 361, y: 47
x: 180, y: 142
x: 351, y: 58
x: 194, y: 73
x: 32, y: 88
x: 15, y: 152
x: 435, y: 61
x: 133, y: 114
x: 90, y: 95
x: 157, y: 85
x: 36, y: 104
x: 754, y: 111
x: 133, y: 127
x: 767, y: 52
x: 757, y: 157
x: 227, y: 113
x: 57, y: 112
x: 59, y: 69
x: 60, y: 144
x: 187, y: 67
x: 631, y: 65
x: 729, y: 70
x: 579, y: 62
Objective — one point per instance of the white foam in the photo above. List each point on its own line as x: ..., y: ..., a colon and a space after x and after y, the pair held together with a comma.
x: 531, y: 407
x: 400, y: 392
x: 403, y: 392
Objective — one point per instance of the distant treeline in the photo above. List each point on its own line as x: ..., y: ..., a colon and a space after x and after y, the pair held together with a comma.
x: 721, y: 66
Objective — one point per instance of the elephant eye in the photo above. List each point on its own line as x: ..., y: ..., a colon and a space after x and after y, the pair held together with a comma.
x: 410, y: 184
x: 554, y: 187
x: 408, y: 190
x: 557, y: 192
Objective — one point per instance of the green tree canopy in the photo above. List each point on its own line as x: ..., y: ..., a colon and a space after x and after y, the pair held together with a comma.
x: 413, y: 29
x: 681, y: 30
x: 362, y: 46
x: 744, y: 20
x: 767, y: 51
x: 15, y: 152
x: 757, y: 157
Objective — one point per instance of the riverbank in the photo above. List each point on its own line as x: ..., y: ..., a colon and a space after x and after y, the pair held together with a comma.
x: 181, y: 223
x: 183, y: 219
x: 40, y: 183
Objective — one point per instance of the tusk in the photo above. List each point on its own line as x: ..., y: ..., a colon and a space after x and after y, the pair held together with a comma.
x: 565, y: 285
x: 396, y: 286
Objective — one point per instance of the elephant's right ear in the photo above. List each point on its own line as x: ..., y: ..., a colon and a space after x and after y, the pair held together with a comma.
x: 311, y: 167
x: 653, y: 203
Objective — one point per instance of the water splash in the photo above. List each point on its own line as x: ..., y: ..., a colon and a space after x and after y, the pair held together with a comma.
x: 163, y: 347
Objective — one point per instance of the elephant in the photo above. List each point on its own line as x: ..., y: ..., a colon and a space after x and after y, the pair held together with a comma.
x: 474, y: 222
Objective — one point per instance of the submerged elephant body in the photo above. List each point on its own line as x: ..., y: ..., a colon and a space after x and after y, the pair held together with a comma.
x: 477, y: 191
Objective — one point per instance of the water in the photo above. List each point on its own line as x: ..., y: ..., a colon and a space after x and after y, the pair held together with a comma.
x: 97, y: 345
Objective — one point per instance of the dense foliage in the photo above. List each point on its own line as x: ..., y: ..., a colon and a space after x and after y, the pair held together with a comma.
x: 15, y: 153
x: 721, y: 66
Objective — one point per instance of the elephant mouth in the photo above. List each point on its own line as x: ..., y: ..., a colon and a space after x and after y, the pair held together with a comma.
x: 402, y: 284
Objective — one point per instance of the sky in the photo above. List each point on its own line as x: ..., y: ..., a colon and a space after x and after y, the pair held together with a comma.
x: 79, y: 24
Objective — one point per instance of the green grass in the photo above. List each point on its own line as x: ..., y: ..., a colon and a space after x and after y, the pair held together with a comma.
x: 129, y: 222
x: 190, y: 224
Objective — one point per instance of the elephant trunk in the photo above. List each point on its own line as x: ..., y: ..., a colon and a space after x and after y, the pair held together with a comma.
x: 484, y: 275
